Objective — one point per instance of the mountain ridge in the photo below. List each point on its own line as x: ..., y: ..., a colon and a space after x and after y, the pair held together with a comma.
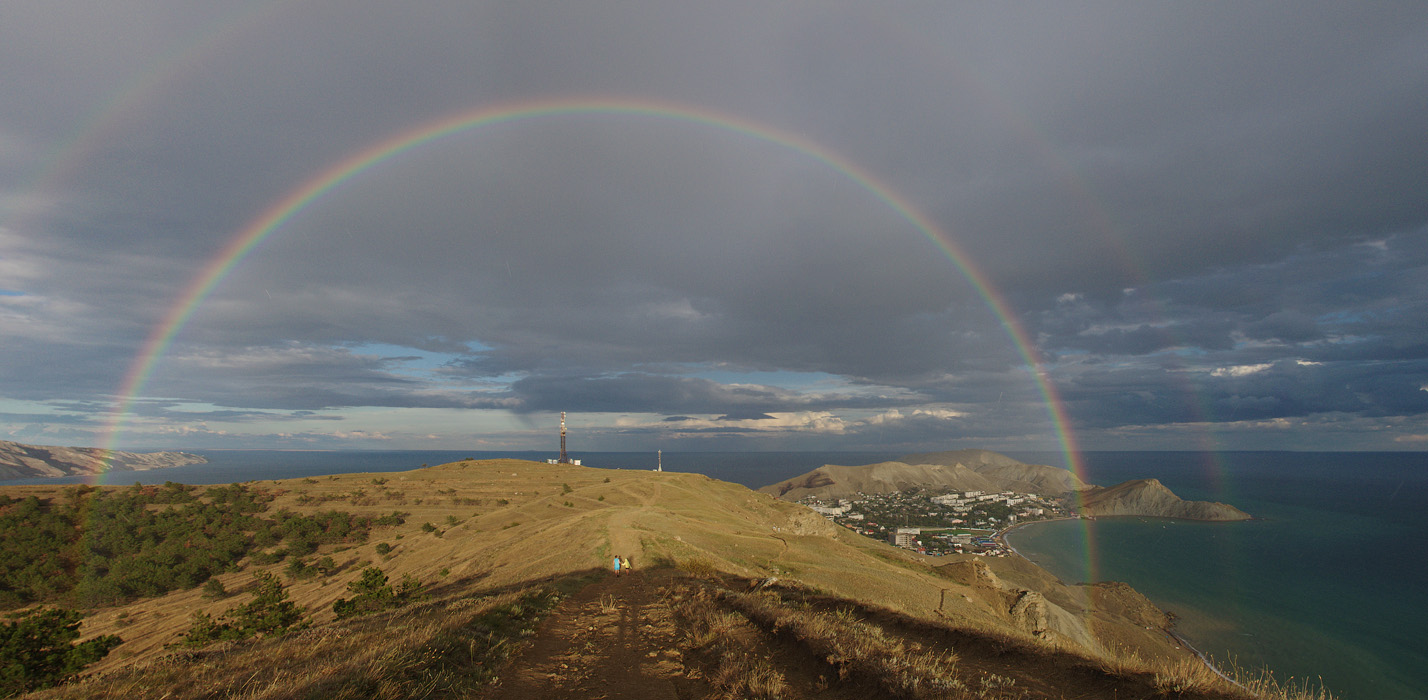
x: 22, y: 461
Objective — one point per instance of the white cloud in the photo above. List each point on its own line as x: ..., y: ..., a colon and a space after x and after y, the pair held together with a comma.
x: 800, y: 421
x: 1239, y: 370
x: 895, y: 415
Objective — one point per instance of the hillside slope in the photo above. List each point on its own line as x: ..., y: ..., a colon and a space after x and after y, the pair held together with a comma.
x: 1042, y: 479
x: 961, y: 470
x: 478, y: 531
x: 840, y: 481
x: 20, y: 461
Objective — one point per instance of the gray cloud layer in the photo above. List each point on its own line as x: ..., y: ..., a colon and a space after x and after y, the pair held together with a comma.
x: 1208, y: 218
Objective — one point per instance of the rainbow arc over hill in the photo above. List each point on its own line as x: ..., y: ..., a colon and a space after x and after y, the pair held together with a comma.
x: 271, y: 220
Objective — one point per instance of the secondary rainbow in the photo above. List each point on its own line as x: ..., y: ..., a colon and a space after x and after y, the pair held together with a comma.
x: 272, y: 219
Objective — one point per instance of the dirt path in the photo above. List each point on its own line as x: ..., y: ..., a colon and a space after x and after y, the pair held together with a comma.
x: 613, y: 639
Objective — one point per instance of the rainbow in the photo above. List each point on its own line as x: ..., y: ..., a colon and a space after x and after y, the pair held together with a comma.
x: 272, y: 219
x: 182, y: 59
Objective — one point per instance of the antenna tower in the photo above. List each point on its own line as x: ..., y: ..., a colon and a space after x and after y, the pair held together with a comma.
x: 563, y: 458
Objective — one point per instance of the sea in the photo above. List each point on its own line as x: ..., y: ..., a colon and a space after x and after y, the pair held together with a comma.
x: 1326, y: 586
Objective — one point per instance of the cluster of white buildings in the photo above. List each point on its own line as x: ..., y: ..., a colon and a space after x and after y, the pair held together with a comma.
x: 957, y: 522
x: 967, y: 498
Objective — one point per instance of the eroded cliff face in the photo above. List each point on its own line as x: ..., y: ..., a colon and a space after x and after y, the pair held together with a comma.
x: 20, y: 461
x: 1029, y: 609
x: 1150, y: 498
x: 1105, y: 618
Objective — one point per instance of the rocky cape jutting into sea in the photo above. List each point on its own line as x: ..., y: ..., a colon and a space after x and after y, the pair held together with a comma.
x: 18, y: 461
x: 982, y: 470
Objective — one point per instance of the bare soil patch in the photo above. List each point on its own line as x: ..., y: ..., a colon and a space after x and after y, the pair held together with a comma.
x: 616, y: 638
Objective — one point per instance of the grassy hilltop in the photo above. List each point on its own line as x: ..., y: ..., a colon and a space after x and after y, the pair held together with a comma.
x: 734, y: 594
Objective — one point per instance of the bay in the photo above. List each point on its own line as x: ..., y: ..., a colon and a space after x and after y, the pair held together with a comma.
x: 1326, y: 584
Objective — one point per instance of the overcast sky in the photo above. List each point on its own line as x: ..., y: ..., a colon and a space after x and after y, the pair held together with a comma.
x: 1210, y: 219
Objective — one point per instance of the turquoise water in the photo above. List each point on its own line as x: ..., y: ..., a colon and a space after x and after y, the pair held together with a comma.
x: 1327, y: 584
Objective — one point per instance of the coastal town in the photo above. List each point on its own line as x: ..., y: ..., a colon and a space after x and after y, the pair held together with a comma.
x: 938, y: 524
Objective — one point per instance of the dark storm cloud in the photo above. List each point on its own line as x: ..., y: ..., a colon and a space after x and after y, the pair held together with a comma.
x: 1185, y: 206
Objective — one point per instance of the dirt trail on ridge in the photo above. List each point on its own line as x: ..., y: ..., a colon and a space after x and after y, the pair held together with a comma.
x: 614, y: 639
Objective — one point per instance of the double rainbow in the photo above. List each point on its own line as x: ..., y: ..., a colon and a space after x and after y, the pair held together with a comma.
x: 241, y: 245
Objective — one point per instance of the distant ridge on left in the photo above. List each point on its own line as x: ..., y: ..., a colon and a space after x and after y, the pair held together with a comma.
x: 20, y: 461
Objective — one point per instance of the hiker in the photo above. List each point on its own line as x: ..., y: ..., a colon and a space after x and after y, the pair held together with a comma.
x: 624, y: 564
x: 617, y: 565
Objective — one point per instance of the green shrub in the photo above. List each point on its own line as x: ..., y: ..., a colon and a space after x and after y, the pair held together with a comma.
x: 371, y: 593
x: 37, y: 650
x: 269, y: 613
x: 106, y: 546
x: 213, y: 589
x: 298, y: 569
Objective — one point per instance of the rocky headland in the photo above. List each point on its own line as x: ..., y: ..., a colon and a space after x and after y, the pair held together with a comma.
x: 1149, y: 497
x: 20, y: 461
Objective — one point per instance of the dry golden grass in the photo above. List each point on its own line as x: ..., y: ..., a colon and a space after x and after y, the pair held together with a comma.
x: 432, y: 649
x: 739, y: 677
x: 857, y: 649
x: 503, y: 523
x: 1263, y: 684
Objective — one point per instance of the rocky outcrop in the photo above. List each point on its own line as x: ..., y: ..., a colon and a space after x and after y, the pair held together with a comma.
x: 19, y: 461
x: 1027, y: 609
x: 1150, y: 498
x: 1030, y: 613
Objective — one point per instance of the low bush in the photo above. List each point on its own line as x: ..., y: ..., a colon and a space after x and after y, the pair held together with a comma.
x: 371, y: 593
x: 37, y: 650
x: 269, y: 613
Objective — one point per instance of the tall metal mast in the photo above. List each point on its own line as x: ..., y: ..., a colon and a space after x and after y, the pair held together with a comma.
x: 563, y: 458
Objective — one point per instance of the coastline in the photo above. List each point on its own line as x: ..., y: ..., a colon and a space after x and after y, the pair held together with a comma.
x: 1001, y: 536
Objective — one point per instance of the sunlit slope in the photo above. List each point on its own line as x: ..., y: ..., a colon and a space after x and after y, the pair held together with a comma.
x: 507, y: 522
x: 960, y: 470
